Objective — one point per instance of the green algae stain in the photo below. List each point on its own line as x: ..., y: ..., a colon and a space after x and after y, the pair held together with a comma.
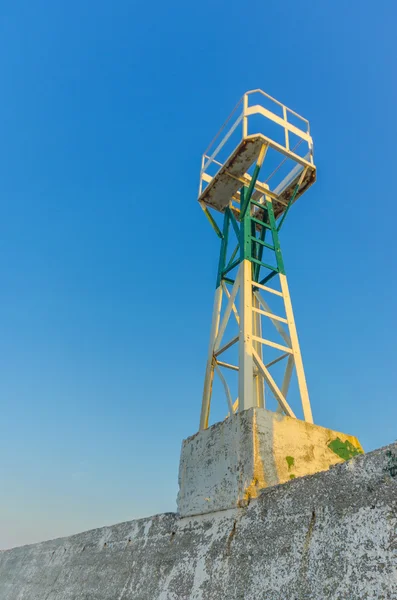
x: 290, y: 461
x: 344, y: 450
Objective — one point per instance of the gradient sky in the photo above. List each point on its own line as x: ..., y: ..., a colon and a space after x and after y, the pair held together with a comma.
x: 107, y: 264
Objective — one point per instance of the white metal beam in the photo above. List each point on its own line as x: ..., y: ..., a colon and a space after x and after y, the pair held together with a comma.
x: 224, y: 286
x: 227, y: 391
x: 266, y: 288
x: 227, y: 346
x: 246, y: 367
x: 228, y: 310
x: 209, y: 371
x: 300, y: 373
x: 277, y: 325
x: 273, y: 386
x: 272, y: 344
x: 259, y: 388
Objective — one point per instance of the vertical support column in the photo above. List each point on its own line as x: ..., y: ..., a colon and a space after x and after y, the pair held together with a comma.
x: 216, y: 314
x: 259, y: 386
x: 300, y: 373
x: 209, y: 371
x: 245, y: 118
x: 246, y: 396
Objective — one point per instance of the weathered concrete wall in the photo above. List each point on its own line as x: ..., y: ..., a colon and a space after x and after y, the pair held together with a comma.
x: 227, y: 464
x: 329, y: 536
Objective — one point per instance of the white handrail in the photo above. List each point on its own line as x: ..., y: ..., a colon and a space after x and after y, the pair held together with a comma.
x: 244, y: 116
x: 223, y: 142
x: 223, y: 126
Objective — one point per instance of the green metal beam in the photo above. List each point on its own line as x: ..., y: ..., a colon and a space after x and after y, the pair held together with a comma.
x: 261, y: 223
x: 268, y: 277
x: 260, y: 241
x: 257, y: 240
x: 262, y: 264
x: 288, y: 206
x: 245, y: 230
x: 231, y: 266
x: 234, y: 223
x: 223, y: 251
x: 245, y: 202
x: 276, y: 242
x: 233, y: 255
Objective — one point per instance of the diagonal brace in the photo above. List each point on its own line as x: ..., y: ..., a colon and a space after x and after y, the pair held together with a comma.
x: 211, y: 220
x: 226, y: 315
x: 272, y: 385
x: 247, y: 196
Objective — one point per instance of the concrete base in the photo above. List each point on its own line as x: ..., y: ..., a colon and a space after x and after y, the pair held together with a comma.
x: 330, y: 536
x: 227, y: 464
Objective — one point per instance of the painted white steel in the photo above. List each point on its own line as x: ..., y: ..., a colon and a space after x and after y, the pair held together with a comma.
x: 270, y: 315
x: 280, y: 148
x: 246, y: 371
x: 226, y: 315
x: 209, y: 371
x: 227, y: 346
x: 273, y: 386
x: 286, y: 130
x: 300, y: 373
x: 245, y: 119
x: 226, y: 387
x: 286, y: 379
x: 259, y: 387
x: 277, y: 325
x: 258, y: 91
x: 241, y: 114
x: 212, y: 142
x: 276, y: 360
x: 222, y: 143
x: 272, y: 344
x: 261, y: 110
x: 227, y: 365
x: 224, y: 286
x: 252, y: 372
x: 287, y: 376
x: 266, y: 288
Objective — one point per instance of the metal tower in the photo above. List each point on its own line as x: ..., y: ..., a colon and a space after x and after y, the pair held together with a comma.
x: 257, y: 166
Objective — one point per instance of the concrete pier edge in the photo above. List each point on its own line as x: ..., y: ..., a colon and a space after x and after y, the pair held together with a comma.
x: 332, y: 535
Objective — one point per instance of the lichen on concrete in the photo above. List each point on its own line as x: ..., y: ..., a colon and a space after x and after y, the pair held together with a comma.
x: 344, y: 450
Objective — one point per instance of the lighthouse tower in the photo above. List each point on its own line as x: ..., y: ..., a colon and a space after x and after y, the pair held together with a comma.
x: 257, y: 166
x: 270, y: 166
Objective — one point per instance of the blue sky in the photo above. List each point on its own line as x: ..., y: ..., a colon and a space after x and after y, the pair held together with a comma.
x: 107, y: 265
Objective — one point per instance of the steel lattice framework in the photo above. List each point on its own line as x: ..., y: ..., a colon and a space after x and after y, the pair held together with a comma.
x: 251, y: 273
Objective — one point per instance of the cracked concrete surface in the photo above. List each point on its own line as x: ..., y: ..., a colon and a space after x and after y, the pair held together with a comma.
x: 328, y: 536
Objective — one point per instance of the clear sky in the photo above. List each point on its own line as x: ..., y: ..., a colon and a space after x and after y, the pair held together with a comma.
x: 107, y: 264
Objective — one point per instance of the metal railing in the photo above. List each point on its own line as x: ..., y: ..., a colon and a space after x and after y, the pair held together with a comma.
x: 239, y: 120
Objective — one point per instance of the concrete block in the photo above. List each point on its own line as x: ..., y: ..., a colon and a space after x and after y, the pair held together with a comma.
x: 227, y: 464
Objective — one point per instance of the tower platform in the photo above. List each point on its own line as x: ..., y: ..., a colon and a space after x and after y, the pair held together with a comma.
x: 228, y: 161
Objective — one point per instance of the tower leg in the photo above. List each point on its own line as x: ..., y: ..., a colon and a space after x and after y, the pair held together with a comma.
x: 246, y: 364
x: 300, y: 373
x: 209, y: 371
x: 259, y: 387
